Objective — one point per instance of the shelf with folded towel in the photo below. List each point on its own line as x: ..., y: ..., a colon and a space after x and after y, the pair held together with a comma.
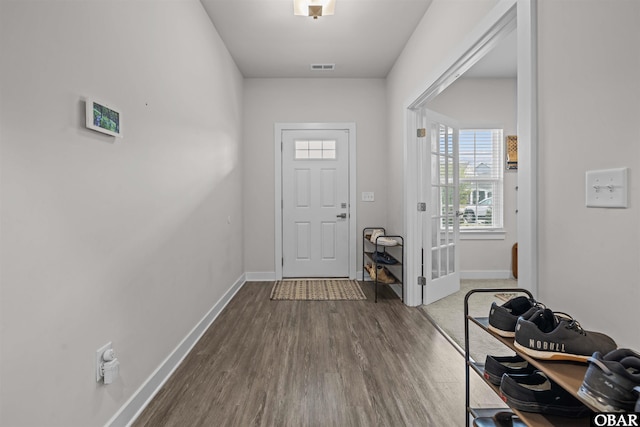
x: 383, y: 258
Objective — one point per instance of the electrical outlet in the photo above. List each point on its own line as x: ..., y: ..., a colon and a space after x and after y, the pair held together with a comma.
x: 100, y: 361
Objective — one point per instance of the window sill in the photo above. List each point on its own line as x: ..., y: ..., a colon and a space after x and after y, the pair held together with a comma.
x: 495, y: 234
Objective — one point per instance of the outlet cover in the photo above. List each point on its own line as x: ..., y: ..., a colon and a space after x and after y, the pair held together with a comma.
x: 99, y: 361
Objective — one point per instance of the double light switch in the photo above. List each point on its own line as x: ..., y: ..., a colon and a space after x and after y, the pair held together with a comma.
x: 606, y: 188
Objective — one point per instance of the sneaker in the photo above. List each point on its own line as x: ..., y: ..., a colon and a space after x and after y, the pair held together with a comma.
x: 386, y: 241
x: 609, y: 382
x: 503, y: 318
x: 557, y: 336
x: 375, y: 233
x: 378, y: 238
x: 496, y: 366
x: 537, y: 393
x: 384, y: 275
x: 383, y: 258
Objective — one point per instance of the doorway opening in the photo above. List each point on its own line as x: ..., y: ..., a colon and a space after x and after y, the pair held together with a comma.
x: 504, y: 19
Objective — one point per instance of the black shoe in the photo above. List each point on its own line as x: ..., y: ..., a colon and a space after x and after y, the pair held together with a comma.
x: 503, y: 318
x: 609, y: 382
x: 557, y: 336
x: 537, y: 393
x: 501, y: 419
x: 383, y: 258
x: 496, y: 366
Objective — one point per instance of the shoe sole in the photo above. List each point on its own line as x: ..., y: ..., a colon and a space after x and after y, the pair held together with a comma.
x: 550, y: 355
x: 542, y: 408
x: 596, y: 401
x: 502, y: 333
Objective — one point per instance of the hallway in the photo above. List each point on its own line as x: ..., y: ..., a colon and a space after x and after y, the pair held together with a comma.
x: 312, y: 363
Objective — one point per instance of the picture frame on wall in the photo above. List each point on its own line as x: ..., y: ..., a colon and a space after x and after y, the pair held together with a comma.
x: 511, y: 153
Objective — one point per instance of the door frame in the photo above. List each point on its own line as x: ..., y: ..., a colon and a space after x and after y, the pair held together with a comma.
x: 505, y: 17
x: 278, y: 129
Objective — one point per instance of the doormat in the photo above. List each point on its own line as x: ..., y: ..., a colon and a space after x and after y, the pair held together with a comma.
x: 317, y: 290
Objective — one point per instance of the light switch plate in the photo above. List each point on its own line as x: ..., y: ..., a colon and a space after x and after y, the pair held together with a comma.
x: 606, y: 188
x: 368, y: 196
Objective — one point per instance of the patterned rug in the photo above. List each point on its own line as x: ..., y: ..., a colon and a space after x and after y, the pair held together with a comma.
x: 317, y: 290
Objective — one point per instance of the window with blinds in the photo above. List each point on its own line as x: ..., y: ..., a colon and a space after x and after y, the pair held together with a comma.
x: 481, y: 178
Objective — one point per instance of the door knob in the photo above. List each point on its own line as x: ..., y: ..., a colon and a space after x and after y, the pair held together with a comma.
x: 342, y: 215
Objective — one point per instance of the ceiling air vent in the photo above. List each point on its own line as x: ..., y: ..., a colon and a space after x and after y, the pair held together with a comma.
x: 323, y: 67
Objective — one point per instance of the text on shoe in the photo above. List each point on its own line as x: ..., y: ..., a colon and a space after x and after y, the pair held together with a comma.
x: 544, y: 345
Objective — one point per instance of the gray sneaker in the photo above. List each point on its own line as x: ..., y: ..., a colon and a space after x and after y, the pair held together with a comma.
x: 610, y: 380
x: 503, y: 318
x: 557, y: 336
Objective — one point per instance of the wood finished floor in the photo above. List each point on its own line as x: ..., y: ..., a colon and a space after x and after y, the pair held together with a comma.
x: 317, y: 363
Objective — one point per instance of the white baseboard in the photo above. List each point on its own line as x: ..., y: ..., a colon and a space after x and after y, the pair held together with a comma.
x: 141, y: 398
x: 486, y: 274
x: 270, y: 276
x: 261, y: 276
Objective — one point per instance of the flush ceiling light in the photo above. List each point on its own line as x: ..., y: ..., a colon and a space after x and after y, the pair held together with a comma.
x: 314, y: 8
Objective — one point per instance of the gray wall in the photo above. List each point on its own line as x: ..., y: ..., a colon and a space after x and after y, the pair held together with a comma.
x: 102, y: 240
x: 268, y: 101
x: 589, y: 105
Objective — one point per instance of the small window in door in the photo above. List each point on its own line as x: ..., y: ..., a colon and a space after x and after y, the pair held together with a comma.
x: 315, y: 149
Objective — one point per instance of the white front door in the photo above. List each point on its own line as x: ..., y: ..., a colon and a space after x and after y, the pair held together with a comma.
x: 439, y: 188
x: 315, y: 203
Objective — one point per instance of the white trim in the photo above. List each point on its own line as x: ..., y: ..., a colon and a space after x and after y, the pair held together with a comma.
x: 485, y: 274
x: 412, y: 260
x: 482, y: 234
x: 527, y: 89
x: 141, y: 398
x: 260, y: 276
x: 499, y: 22
x: 351, y: 128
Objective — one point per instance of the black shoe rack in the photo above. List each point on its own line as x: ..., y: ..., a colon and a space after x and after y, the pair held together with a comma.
x: 369, y: 248
x: 568, y: 375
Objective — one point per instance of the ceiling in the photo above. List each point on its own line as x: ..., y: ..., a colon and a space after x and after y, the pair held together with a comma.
x: 501, y: 62
x: 363, y: 39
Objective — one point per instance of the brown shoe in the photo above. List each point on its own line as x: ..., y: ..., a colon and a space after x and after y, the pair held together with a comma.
x: 371, y: 270
x: 385, y: 276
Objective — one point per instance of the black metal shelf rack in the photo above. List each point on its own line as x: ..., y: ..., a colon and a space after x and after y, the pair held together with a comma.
x: 369, y: 248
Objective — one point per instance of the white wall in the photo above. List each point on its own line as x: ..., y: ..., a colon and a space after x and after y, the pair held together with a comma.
x: 486, y: 102
x: 443, y: 27
x: 589, y: 106
x: 123, y: 241
x: 268, y: 101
